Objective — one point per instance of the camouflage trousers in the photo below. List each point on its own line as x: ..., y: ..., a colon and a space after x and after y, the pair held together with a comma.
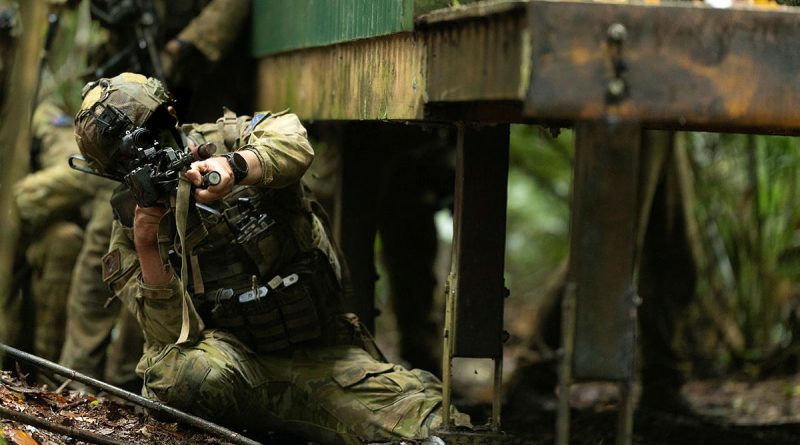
x: 51, y: 258
x: 89, y: 347
x: 330, y: 395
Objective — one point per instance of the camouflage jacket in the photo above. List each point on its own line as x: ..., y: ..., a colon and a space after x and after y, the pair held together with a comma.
x: 279, y: 141
x: 55, y: 189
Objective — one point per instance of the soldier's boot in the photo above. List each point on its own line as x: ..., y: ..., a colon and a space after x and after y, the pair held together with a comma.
x: 52, y: 258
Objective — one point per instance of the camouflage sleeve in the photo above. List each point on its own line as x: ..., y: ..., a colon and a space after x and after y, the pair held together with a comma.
x: 280, y: 142
x: 217, y: 26
x: 48, y: 193
x: 56, y: 188
x: 159, y: 309
x: 54, y: 129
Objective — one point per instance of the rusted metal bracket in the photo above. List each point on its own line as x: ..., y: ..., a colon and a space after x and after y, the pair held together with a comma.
x: 677, y: 65
x: 599, y: 309
x: 475, y: 290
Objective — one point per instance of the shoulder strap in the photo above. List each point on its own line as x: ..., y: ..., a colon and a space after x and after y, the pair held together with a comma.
x: 230, y: 128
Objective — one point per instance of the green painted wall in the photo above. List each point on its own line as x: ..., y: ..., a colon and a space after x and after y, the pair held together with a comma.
x: 285, y: 25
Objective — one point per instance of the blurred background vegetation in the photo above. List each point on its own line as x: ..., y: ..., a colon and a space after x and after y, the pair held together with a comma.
x: 743, y: 318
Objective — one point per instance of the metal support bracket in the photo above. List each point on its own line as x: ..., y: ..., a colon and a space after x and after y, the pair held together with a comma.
x: 475, y: 289
x: 599, y: 308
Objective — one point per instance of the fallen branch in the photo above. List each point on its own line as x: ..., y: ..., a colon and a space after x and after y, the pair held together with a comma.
x: 152, y: 405
x: 77, y: 433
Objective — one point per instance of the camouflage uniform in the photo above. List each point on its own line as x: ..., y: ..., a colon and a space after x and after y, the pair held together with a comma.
x: 310, y: 378
x: 54, y: 234
x: 211, y: 28
x: 92, y: 314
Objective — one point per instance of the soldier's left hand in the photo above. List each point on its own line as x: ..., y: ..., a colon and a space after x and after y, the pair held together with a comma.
x: 214, y: 192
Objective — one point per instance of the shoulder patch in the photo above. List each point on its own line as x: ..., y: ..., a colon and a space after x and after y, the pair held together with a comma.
x: 256, y: 119
x: 61, y: 121
x: 112, y: 264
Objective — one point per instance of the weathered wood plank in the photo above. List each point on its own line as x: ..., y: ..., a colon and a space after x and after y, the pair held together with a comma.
x: 381, y: 78
x: 477, y: 58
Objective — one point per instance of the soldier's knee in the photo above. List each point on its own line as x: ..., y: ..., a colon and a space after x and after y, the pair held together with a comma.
x: 190, y: 379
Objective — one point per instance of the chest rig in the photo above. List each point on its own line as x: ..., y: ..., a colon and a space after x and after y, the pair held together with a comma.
x: 257, y: 269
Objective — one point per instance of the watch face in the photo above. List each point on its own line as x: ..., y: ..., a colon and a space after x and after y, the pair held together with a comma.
x: 239, y: 163
x: 239, y: 166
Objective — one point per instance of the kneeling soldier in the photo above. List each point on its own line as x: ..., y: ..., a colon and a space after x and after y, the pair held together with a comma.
x: 237, y: 285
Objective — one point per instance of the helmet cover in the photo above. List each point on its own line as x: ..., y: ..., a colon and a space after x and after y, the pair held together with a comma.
x: 110, y: 108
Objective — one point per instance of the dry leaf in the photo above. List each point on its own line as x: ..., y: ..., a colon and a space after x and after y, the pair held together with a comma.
x: 20, y: 437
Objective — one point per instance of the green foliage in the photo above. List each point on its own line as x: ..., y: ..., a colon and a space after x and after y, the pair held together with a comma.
x: 538, y: 206
x: 745, y: 208
x: 67, y: 62
x: 747, y: 191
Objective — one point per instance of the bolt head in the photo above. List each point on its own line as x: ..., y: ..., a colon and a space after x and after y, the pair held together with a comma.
x: 617, y: 33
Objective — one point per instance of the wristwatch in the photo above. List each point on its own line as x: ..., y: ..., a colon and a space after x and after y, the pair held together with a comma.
x: 238, y: 164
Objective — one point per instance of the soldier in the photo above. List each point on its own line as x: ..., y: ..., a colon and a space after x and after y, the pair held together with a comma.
x: 242, y: 318
x: 52, y: 229
x: 196, y: 38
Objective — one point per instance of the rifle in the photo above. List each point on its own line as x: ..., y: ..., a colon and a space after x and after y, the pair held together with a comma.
x: 153, y: 169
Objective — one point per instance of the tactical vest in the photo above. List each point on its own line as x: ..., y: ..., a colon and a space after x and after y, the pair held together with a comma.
x: 261, y: 267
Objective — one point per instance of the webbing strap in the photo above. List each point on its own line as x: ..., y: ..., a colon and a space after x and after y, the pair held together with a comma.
x: 181, y: 217
x: 230, y: 128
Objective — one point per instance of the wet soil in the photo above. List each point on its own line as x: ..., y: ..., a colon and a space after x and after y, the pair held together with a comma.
x: 725, y: 411
x: 123, y: 423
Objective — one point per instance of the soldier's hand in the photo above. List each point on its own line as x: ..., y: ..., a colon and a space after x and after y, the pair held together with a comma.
x: 214, y: 192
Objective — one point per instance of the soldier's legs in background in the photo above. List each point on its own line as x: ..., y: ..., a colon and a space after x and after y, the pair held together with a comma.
x: 409, y: 241
x: 124, y: 352
x: 329, y: 395
x: 89, y: 322
x: 52, y: 258
x: 419, y: 177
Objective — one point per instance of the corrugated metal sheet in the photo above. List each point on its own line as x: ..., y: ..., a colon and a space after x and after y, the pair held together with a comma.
x: 280, y: 25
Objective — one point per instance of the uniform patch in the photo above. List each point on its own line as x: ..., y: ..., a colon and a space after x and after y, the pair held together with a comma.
x: 61, y: 121
x: 111, y: 264
x: 256, y: 119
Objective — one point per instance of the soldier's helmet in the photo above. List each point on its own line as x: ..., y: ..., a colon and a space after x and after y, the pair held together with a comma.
x: 111, y: 108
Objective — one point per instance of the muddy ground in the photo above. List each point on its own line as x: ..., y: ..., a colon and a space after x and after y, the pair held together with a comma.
x: 726, y: 412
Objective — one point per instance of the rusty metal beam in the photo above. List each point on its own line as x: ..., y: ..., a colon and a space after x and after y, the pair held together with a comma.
x: 603, y: 241
x: 682, y: 65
